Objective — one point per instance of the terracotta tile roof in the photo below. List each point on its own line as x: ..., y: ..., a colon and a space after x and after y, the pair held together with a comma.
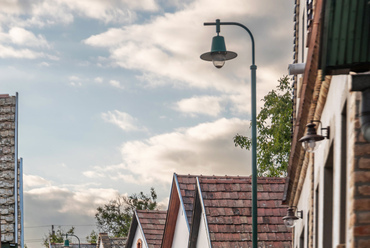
x: 187, y: 185
x: 152, y: 222
x: 107, y: 242
x: 228, y: 206
x: 119, y: 242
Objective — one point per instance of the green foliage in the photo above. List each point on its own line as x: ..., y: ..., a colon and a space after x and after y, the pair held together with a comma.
x: 57, y: 236
x: 115, y: 217
x: 273, y: 131
x: 92, y: 238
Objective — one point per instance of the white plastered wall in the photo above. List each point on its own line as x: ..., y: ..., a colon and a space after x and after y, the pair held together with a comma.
x: 181, y: 235
x: 138, y: 235
x: 303, y: 205
x: 202, y: 241
x: 331, y: 116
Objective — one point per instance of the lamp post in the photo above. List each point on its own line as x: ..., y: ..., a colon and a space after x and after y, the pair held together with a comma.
x: 66, y: 241
x: 219, y: 55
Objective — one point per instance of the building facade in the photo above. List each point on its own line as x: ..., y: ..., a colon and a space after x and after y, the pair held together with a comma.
x: 331, y: 186
x: 10, y: 174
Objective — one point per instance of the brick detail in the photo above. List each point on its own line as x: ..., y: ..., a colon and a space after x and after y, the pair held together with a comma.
x: 359, y: 181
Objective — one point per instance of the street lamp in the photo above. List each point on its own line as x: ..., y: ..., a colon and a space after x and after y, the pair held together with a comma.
x: 66, y: 241
x: 219, y: 55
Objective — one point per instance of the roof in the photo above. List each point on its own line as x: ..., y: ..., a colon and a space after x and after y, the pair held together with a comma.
x: 227, y: 203
x: 187, y: 187
x: 152, y: 223
x: 345, y: 36
x: 182, y: 192
x: 108, y: 242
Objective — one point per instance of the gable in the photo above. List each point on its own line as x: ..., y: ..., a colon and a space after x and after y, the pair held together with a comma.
x: 173, y: 208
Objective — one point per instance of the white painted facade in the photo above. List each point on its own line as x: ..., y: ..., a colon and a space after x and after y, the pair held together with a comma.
x: 139, y: 235
x: 332, y: 116
x: 328, y: 179
x: 301, y: 225
x: 202, y: 241
x: 181, y: 234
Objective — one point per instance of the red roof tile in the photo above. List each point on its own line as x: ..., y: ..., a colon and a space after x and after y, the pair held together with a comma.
x: 152, y: 223
x: 187, y: 185
x: 227, y: 202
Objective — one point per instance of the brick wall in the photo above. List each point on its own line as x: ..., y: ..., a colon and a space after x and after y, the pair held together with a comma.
x: 359, y: 183
x: 7, y: 163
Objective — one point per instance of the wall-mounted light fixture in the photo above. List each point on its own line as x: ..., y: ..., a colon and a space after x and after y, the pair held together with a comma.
x: 311, y: 137
x: 290, y: 219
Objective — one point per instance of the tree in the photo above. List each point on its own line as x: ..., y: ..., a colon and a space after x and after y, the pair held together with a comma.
x: 56, y: 237
x: 274, y: 131
x: 92, y: 238
x: 115, y: 217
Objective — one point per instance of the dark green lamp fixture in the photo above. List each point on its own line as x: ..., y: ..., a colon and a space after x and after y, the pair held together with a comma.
x: 218, y: 54
x: 66, y: 241
x: 309, y: 141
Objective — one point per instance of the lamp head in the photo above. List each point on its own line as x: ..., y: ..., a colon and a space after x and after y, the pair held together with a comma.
x: 311, y: 137
x: 218, y: 54
x: 290, y: 219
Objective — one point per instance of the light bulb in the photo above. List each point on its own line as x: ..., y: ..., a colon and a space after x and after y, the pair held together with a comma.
x: 289, y: 222
x: 218, y: 60
x: 310, y: 145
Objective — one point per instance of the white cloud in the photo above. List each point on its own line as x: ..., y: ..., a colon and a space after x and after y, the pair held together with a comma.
x: 10, y: 52
x: 21, y: 36
x: 116, y: 84
x: 42, y: 13
x: 75, y: 81
x: 44, y: 64
x: 98, y: 80
x: 93, y: 174
x: 123, y: 120
x: 206, y: 149
x: 62, y: 202
x: 173, y: 56
x: 206, y: 105
x: 31, y: 181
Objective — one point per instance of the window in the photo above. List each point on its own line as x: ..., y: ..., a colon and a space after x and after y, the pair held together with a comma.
x: 317, y: 217
x: 301, y: 239
x: 328, y: 201
x: 308, y: 229
x: 343, y: 177
x: 139, y: 244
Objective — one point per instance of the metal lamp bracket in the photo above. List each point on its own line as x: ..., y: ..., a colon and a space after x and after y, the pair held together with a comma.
x: 323, y: 128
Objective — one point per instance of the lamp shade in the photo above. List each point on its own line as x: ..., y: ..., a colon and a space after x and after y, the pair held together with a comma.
x: 218, y: 54
x: 66, y: 243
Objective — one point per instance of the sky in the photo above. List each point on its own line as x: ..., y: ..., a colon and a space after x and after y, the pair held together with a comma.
x: 114, y: 99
